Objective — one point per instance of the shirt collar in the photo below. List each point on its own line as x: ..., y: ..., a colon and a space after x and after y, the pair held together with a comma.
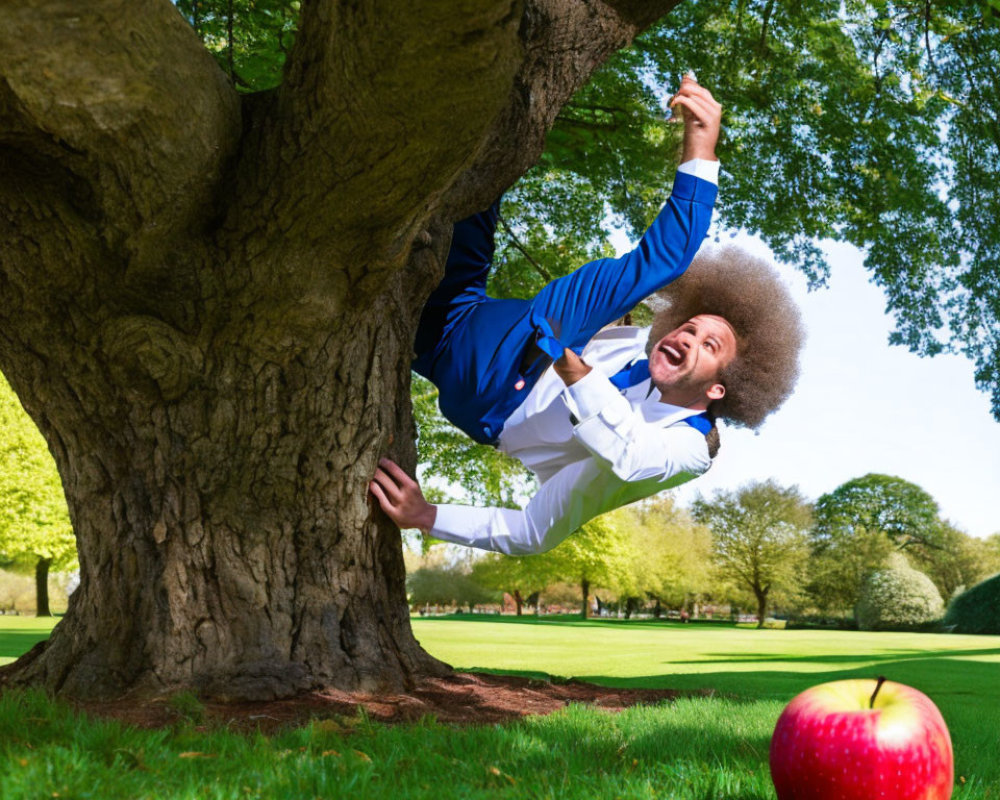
x: 646, y: 399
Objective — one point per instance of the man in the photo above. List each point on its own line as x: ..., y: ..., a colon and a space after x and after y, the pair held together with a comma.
x: 605, y: 426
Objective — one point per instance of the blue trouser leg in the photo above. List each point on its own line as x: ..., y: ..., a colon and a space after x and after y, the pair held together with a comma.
x: 464, y: 281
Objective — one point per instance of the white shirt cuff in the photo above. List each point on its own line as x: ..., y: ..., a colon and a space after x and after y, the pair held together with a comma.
x: 701, y: 168
x: 594, y: 393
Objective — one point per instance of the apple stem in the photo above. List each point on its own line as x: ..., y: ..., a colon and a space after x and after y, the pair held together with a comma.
x: 881, y: 680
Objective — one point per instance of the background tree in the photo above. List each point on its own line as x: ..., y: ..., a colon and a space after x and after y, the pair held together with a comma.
x: 976, y: 610
x: 759, y: 537
x: 597, y: 555
x: 447, y: 585
x: 859, y: 525
x: 992, y: 544
x: 961, y: 562
x: 519, y: 576
x: 670, y: 555
x: 863, y: 122
x: 35, y: 531
x: 897, y: 596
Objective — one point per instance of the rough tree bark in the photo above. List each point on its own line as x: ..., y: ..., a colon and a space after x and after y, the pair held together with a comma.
x: 207, y: 304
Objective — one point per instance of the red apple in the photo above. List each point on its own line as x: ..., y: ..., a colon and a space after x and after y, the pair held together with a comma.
x: 861, y: 740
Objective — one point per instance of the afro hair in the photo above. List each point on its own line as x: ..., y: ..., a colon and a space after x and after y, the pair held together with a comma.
x: 748, y: 293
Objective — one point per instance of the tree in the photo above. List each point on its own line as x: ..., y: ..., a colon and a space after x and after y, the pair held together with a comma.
x: 961, y: 562
x: 35, y: 531
x: 212, y: 269
x: 897, y: 596
x: 209, y: 300
x: 860, y: 524
x: 976, y: 610
x: 596, y: 555
x: 759, y: 537
x: 520, y: 576
x: 862, y: 122
x: 670, y: 554
x: 447, y: 585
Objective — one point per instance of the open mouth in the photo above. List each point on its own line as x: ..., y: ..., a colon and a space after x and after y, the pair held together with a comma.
x: 674, y: 357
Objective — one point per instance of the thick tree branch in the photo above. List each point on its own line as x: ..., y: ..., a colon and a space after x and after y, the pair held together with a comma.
x: 641, y: 13
x: 121, y: 98
x: 382, y: 105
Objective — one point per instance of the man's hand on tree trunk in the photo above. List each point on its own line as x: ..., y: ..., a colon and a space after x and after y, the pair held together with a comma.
x: 401, y: 498
x: 702, y: 117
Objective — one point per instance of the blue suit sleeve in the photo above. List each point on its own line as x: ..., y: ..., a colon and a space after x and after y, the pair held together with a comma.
x: 601, y: 291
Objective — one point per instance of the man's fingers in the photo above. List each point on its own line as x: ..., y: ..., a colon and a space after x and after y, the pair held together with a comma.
x: 701, y: 98
x: 397, y: 472
x: 380, y: 496
x: 702, y: 111
x: 696, y: 93
x: 392, y: 491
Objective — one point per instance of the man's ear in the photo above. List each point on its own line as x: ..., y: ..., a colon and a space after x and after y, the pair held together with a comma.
x: 716, y: 391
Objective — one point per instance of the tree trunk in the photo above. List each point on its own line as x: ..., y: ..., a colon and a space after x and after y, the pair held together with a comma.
x: 518, y: 601
x: 208, y: 302
x: 761, y: 595
x: 42, y: 587
x: 585, y: 591
x: 226, y: 536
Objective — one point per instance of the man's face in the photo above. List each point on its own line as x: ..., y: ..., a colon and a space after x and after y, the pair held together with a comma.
x: 686, y: 363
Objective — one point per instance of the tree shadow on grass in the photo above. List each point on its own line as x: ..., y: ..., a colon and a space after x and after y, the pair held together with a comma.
x: 576, y: 621
x: 892, y: 655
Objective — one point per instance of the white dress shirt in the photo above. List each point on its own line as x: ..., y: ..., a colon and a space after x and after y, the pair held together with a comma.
x: 593, y: 447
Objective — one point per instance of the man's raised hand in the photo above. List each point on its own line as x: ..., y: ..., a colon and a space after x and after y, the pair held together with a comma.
x: 401, y: 498
x: 702, y: 117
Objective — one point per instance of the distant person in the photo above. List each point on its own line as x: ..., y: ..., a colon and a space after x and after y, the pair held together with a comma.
x: 602, y: 417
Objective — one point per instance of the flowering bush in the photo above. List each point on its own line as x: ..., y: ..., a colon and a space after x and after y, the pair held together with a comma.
x: 897, y: 597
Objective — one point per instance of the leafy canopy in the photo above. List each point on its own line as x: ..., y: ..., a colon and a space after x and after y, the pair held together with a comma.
x: 759, y: 535
x: 869, y: 122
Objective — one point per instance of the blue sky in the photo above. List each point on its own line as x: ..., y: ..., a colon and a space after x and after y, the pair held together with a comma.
x: 862, y: 406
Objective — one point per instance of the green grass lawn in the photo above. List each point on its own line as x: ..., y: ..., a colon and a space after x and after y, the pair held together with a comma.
x: 697, y: 748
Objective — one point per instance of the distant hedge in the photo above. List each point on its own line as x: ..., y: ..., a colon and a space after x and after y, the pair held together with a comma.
x: 976, y: 610
x: 898, y: 597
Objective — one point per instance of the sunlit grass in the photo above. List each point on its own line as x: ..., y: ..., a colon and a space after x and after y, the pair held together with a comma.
x: 696, y: 748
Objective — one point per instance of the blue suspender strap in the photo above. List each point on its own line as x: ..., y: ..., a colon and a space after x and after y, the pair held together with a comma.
x: 701, y: 423
x: 631, y: 375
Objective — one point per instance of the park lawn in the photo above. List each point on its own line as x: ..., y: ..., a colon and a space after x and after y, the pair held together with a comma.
x: 697, y: 748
